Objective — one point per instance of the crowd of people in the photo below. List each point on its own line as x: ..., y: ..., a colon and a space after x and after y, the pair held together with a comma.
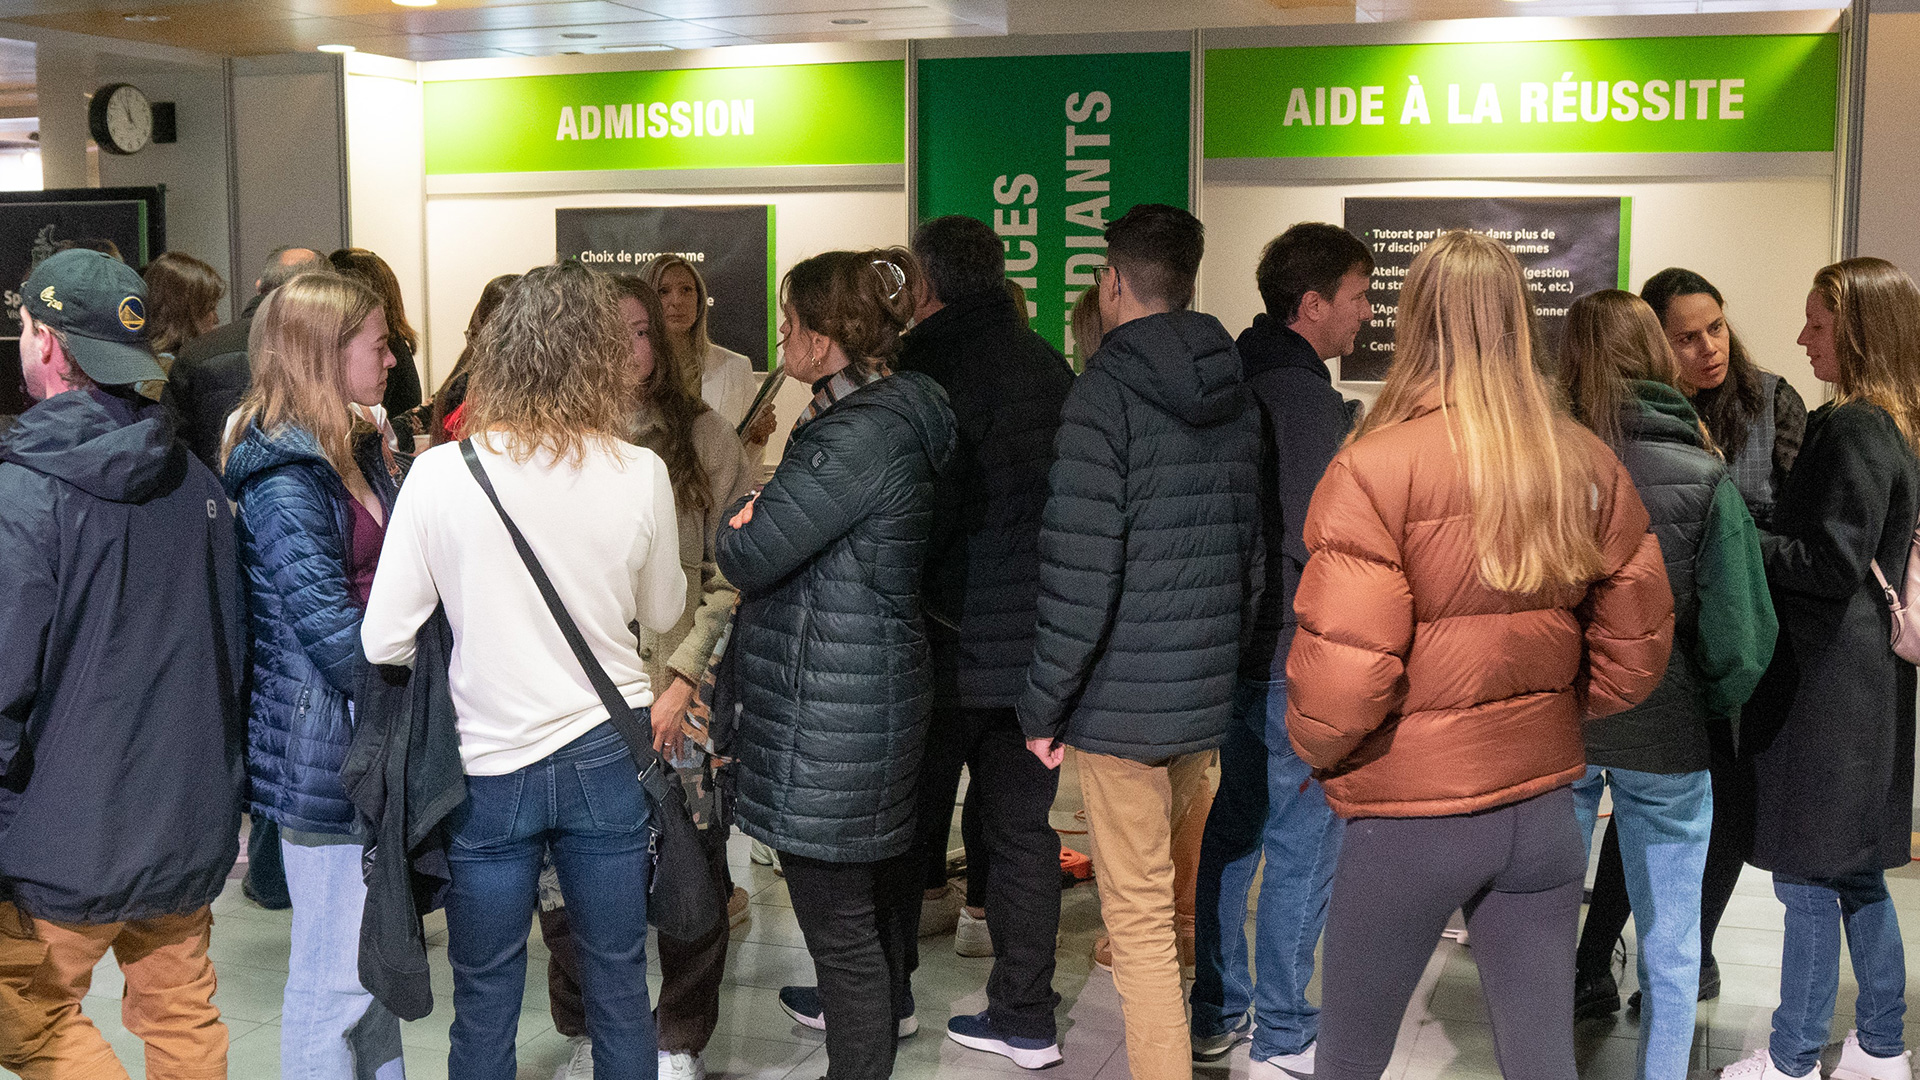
x: 1417, y: 642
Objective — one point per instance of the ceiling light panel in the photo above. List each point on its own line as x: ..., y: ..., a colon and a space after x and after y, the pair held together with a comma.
x: 449, y: 20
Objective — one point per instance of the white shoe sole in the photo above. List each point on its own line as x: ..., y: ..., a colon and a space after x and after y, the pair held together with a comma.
x: 907, y: 1028
x: 1026, y: 1059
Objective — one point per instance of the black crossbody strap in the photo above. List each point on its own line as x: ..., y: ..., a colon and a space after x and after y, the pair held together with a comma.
x: 619, y: 713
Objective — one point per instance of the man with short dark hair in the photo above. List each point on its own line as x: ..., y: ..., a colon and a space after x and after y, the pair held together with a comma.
x: 1149, y: 563
x: 1314, y: 279
x: 211, y: 374
x: 122, y: 725
x: 1006, y: 386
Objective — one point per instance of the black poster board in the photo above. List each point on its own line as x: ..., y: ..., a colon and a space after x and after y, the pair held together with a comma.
x: 731, y: 245
x: 1567, y: 247
x: 34, y: 223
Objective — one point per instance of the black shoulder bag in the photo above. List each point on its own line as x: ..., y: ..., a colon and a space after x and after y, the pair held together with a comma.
x: 684, y: 901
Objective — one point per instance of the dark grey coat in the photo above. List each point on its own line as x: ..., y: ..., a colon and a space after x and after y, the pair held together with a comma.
x: 834, y: 681
x: 1830, y: 730
x: 1150, y: 547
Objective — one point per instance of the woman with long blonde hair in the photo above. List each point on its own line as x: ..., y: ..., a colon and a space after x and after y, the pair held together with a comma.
x: 720, y: 376
x: 1481, y: 582
x: 1830, y: 733
x: 1622, y: 380
x: 314, y: 483
x: 549, y: 409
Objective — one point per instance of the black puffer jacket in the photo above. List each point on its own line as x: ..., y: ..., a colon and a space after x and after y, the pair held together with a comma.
x: 1831, y: 729
x: 1006, y: 386
x: 1150, y: 547
x: 1723, y: 623
x: 832, y: 652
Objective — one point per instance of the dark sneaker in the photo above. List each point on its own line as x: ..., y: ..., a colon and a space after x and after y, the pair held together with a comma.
x: 1595, y: 995
x: 978, y: 1033
x: 803, y: 1004
x: 1215, y: 1047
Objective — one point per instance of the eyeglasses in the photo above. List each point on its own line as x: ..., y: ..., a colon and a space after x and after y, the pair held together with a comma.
x: 1098, y: 272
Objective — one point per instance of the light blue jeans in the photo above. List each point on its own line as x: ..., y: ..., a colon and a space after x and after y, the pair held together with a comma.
x: 1268, y: 805
x: 1665, y: 820
x: 1817, y: 911
x: 330, y: 1027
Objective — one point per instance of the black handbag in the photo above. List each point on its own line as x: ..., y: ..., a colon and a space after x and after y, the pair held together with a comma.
x: 683, y: 900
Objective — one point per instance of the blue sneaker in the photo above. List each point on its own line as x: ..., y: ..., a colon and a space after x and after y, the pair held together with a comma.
x: 1215, y: 1047
x: 978, y: 1033
x: 803, y: 1004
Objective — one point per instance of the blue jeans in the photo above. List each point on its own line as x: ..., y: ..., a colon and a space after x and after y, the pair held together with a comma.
x: 1810, y: 967
x: 585, y: 805
x: 1268, y: 804
x: 330, y: 1027
x: 1665, y: 821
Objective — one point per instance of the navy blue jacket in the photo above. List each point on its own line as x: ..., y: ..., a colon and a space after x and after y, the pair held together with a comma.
x: 122, y: 655
x: 295, y: 522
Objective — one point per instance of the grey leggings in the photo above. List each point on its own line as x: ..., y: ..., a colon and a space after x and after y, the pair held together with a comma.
x: 1516, y: 871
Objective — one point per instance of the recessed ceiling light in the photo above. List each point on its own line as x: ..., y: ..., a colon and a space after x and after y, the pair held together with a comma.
x: 143, y: 17
x: 336, y: 48
x: 579, y: 37
x: 416, y: 3
x: 849, y: 22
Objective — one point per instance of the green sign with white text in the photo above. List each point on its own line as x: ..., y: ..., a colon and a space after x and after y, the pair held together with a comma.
x: 1624, y: 95
x: 1048, y: 149
x: 700, y: 118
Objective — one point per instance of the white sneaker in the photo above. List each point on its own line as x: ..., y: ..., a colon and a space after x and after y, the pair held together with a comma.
x: 760, y: 853
x: 1759, y: 1066
x: 970, y: 936
x: 1284, y: 1067
x: 682, y: 1067
x: 1857, y: 1064
x: 580, y: 1065
x: 940, y: 912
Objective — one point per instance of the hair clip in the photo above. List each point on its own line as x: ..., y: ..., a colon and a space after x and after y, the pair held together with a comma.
x: 899, y: 276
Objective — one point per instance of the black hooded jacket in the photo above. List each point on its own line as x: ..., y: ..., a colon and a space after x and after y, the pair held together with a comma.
x: 1150, y: 545
x: 1303, y: 420
x: 122, y: 724
x: 1006, y: 385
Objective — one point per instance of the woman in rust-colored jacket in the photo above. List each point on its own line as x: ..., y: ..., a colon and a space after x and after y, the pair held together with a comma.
x: 1481, y: 580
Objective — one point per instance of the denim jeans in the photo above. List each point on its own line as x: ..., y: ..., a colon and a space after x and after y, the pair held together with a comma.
x: 330, y: 1027
x: 1665, y: 821
x: 1268, y: 804
x: 584, y: 803
x: 1817, y: 911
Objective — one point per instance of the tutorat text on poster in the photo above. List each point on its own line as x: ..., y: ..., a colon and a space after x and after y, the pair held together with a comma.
x: 1567, y: 248
x: 732, y: 246
x: 1048, y: 150
x: 1757, y: 93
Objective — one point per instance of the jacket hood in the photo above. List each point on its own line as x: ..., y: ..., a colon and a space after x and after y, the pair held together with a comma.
x: 1659, y: 412
x: 258, y: 451
x: 919, y: 400
x: 1267, y: 345
x: 108, y: 447
x: 1182, y: 361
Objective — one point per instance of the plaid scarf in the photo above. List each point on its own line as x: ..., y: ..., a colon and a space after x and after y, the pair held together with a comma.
x: 830, y: 390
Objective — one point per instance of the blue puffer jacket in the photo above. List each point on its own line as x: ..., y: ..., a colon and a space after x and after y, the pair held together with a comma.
x: 294, y: 523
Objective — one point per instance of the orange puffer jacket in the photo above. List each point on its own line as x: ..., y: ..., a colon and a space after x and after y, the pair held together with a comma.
x: 1414, y: 689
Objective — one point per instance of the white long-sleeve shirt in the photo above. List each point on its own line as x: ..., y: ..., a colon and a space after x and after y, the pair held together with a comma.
x: 607, y: 535
x: 727, y: 384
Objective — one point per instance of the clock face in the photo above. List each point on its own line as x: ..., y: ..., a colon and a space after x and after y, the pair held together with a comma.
x: 129, y: 119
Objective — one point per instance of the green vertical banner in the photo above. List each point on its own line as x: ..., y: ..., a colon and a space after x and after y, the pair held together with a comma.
x: 1048, y: 150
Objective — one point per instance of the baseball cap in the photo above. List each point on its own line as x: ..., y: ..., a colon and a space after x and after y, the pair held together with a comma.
x: 101, y: 306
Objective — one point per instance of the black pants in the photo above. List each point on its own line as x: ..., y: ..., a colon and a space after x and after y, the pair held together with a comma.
x: 859, y: 920
x: 266, y: 874
x: 1727, y: 850
x: 1516, y: 871
x: 1015, y: 859
x: 689, y: 1006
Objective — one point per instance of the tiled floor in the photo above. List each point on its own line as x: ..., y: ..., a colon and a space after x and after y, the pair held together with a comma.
x: 1445, y: 1033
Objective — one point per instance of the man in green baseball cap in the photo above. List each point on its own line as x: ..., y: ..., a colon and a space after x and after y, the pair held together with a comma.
x: 90, y: 309
x: 122, y: 721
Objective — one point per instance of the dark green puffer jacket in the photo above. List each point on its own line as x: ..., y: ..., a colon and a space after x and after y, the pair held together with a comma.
x: 832, y: 651
x: 1723, y: 621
